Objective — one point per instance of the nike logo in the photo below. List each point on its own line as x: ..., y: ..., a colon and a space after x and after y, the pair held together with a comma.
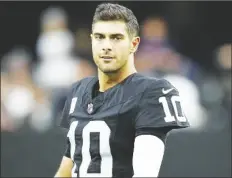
x: 167, y: 91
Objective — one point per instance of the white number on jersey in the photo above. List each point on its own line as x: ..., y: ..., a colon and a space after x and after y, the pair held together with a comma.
x: 168, y: 116
x: 106, y: 158
x: 71, y: 136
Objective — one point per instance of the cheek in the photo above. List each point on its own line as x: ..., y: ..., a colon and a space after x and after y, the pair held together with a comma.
x: 95, y: 48
x: 124, y: 49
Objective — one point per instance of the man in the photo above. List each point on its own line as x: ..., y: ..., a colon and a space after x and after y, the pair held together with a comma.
x: 117, y: 121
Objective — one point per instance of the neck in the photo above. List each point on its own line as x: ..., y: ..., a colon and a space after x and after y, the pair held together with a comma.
x: 108, y: 80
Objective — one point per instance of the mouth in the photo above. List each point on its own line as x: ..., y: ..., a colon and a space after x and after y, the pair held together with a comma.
x: 107, y: 58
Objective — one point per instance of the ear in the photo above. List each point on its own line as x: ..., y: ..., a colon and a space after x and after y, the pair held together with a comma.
x: 135, y: 44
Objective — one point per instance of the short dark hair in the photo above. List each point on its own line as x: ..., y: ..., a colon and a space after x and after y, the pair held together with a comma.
x: 113, y: 12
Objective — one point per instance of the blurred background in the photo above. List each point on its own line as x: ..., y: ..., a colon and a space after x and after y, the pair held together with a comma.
x: 45, y: 47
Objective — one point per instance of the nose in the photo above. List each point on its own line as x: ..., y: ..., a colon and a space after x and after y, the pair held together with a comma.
x: 107, y: 46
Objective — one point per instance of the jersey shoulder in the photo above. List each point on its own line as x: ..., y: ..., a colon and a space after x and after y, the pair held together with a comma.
x: 160, y: 106
x: 76, y: 90
x: 161, y: 87
x: 80, y: 86
x: 147, y: 84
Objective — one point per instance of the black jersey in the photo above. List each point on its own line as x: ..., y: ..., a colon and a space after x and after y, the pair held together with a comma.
x: 102, y: 129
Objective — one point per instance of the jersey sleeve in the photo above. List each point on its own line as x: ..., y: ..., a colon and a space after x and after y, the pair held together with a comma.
x: 67, y: 152
x: 160, y: 110
x: 64, y: 121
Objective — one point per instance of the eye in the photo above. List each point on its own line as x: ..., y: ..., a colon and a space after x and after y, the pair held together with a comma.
x: 116, y: 38
x: 98, y: 37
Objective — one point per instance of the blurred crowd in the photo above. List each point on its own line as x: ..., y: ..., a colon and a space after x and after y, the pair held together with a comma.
x: 34, y: 88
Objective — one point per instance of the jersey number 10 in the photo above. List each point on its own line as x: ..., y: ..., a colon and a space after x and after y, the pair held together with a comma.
x: 106, y: 165
x: 178, y: 113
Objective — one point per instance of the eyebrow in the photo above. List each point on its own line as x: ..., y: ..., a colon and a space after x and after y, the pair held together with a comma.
x: 117, y: 34
x: 97, y: 34
x: 113, y: 34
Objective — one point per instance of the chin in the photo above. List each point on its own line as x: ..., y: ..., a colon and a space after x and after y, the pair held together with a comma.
x: 109, y: 71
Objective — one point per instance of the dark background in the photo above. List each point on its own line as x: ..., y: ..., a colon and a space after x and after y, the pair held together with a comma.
x: 196, y: 30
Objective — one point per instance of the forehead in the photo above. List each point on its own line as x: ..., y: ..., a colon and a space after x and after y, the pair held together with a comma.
x: 110, y: 27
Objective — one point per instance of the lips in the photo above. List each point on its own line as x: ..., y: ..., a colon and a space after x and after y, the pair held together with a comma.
x: 107, y: 58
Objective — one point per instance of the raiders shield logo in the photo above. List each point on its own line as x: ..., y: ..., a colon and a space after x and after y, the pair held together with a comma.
x: 90, y: 108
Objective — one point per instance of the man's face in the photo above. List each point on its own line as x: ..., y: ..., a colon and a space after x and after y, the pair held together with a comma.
x: 111, y: 45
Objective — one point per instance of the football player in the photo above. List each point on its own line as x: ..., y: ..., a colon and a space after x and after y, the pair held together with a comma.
x: 117, y: 121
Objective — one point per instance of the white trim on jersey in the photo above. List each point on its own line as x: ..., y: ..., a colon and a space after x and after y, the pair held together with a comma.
x: 147, y: 156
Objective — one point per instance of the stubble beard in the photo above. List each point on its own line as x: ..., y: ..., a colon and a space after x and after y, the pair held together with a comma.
x: 112, y: 71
